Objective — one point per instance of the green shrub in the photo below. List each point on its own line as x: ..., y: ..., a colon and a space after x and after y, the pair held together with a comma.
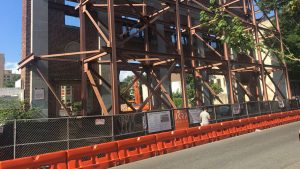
x: 11, y: 109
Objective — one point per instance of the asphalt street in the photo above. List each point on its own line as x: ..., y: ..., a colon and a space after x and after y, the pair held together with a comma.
x: 275, y: 148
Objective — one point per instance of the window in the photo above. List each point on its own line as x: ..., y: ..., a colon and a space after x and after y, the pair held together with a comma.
x: 213, y: 44
x: 72, y: 21
x: 184, y: 38
x: 70, y: 3
x: 66, y: 96
x: 127, y: 28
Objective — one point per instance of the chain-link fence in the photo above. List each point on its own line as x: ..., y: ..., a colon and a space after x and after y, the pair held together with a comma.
x: 20, y: 138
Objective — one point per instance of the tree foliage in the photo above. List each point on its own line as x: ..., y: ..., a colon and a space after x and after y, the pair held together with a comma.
x: 123, y: 85
x: 11, y: 108
x: 289, y: 11
x: 216, y: 87
x: 227, y: 29
x: 11, y: 83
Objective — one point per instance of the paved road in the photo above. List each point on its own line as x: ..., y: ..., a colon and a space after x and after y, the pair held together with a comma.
x: 276, y: 148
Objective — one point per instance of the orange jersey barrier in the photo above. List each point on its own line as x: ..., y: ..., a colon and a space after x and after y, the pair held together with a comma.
x: 98, y: 156
x: 171, y: 141
x: 56, y: 160
x: 216, y: 131
x: 198, y: 135
x: 243, y: 126
x: 226, y: 126
x: 139, y: 148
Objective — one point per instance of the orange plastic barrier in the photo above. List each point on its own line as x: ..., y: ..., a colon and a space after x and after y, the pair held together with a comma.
x: 272, y: 120
x: 56, y: 160
x: 198, y: 135
x: 226, y: 126
x: 294, y: 115
x: 233, y: 130
x: 216, y: 131
x: 243, y: 126
x: 171, y: 141
x: 98, y: 156
x: 139, y: 148
x: 277, y: 119
x: 283, y: 117
x: 252, y: 124
x: 265, y: 121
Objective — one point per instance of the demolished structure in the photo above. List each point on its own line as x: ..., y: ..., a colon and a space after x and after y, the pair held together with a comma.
x: 77, y: 51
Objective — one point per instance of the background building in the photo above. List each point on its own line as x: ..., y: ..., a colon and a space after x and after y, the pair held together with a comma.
x: 2, y: 64
x: 10, y: 78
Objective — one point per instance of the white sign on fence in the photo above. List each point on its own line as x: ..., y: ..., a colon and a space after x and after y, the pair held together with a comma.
x: 159, y: 121
x: 39, y: 94
x: 194, y: 115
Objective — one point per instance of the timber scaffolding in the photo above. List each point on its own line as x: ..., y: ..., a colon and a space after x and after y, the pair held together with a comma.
x: 182, y: 31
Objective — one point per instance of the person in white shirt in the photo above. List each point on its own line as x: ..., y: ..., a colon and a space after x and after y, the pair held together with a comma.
x: 204, y: 117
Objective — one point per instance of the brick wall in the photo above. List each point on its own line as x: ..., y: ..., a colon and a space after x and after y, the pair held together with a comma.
x: 60, y: 36
x: 26, y: 33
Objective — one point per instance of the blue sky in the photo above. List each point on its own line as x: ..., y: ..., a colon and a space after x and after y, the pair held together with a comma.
x: 10, y: 32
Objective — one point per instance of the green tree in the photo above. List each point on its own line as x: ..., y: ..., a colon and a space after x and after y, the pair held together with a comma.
x: 289, y: 11
x: 11, y: 83
x: 128, y: 95
x: 227, y: 29
x: 11, y: 108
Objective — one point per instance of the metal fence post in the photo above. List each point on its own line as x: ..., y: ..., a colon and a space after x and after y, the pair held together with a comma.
x: 259, y: 107
x: 68, y: 133
x: 215, y: 114
x: 112, y: 128
x: 270, y: 106
x: 15, y: 137
x: 246, y: 108
x: 145, y: 123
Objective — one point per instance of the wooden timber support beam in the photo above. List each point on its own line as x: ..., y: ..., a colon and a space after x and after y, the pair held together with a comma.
x: 26, y: 61
x: 209, y: 88
x: 274, y: 92
x: 159, y: 84
x: 181, y: 53
x: 211, y: 48
x: 246, y: 91
x: 99, y: 30
x: 90, y: 59
x: 152, y: 90
x: 164, y: 91
x: 97, y: 92
x: 287, y: 81
x: 274, y: 83
x: 152, y: 19
x: 52, y: 90
x: 279, y: 82
x: 83, y: 85
x: 71, y: 54
x: 113, y: 65
x: 109, y: 86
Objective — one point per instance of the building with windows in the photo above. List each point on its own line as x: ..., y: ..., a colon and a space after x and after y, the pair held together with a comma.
x: 2, y: 64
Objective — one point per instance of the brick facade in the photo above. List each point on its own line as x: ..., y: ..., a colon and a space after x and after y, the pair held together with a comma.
x: 26, y: 36
x: 61, y: 39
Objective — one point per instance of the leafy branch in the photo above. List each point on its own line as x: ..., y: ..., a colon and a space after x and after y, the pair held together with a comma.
x: 227, y: 29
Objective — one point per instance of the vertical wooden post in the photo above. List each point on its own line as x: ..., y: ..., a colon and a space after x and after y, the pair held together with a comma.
x: 263, y: 80
x: 180, y: 52
x: 113, y: 65
x: 287, y: 81
x: 82, y: 57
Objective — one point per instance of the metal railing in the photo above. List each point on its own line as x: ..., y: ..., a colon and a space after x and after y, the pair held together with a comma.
x: 19, y: 138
